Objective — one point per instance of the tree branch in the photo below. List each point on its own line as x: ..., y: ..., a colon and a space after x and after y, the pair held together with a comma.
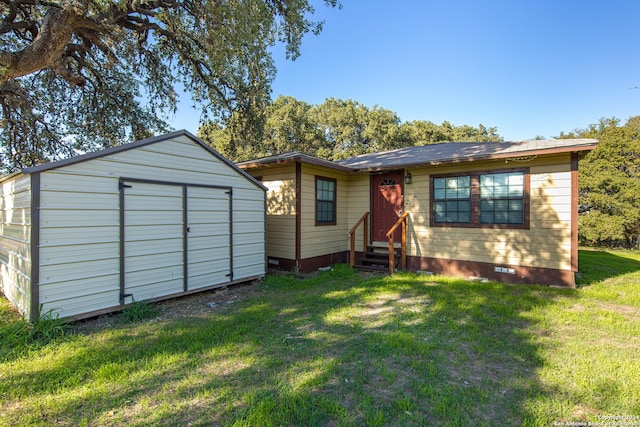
x: 47, y: 48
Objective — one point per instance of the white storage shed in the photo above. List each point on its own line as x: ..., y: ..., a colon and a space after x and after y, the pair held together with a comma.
x: 149, y: 220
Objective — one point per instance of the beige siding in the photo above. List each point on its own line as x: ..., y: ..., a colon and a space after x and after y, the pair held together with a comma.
x: 358, y: 203
x: 281, y: 210
x: 547, y: 244
x: 79, y: 233
x: 323, y: 239
x: 15, y: 241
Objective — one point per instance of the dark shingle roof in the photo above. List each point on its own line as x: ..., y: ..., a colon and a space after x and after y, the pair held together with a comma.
x: 458, y: 152
x: 431, y: 155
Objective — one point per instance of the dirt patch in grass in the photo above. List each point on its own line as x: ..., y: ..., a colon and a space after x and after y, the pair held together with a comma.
x: 630, y: 312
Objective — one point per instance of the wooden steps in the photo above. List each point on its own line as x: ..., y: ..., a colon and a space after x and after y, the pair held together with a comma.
x: 376, y: 258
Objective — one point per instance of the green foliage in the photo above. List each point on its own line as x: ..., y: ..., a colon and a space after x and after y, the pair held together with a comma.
x: 423, y: 132
x: 610, y: 184
x: 138, y: 310
x: 336, y: 129
x: 14, y: 331
x: 17, y: 335
x: 344, y: 124
x: 47, y: 326
x: 291, y: 125
x: 80, y: 84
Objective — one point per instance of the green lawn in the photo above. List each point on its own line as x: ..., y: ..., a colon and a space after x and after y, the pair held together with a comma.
x: 344, y: 349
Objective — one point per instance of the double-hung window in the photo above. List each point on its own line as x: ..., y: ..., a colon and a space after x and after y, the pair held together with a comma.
x: 452, y: 199
x: 481, y: 199
x: 325, y: 201
x: 502, y: 198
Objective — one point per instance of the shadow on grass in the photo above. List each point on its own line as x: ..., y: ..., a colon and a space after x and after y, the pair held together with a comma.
x: 334, y: 350
x: 598, y: 265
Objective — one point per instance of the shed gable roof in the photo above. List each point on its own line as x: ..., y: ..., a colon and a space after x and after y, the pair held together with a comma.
x: 138, y: 144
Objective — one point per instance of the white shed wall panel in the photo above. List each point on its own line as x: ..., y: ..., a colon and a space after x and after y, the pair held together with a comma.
x: 15, y: 241
x: 79, y: 241
x: 80, y: 234
x: 248, y: 233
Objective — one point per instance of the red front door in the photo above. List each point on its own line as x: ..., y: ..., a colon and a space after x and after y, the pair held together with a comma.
x: 387, y: 201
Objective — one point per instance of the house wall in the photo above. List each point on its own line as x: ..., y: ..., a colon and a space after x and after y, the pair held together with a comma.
x: 358, y: 204
x: 281, y: 210
x: 79, y: 220
x: 15, y: 241
x: 318, y: 245
x: 322, y: 240
x: 546, y: 245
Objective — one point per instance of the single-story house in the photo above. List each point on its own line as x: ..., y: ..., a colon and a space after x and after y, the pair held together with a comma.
x: 149, y: 220
x: 503, y: 211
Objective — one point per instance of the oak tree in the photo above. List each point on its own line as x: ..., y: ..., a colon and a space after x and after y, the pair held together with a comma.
x: 609, y: 184
x: 424, y: 132
x: 77, y: 75
x: 334, y: 130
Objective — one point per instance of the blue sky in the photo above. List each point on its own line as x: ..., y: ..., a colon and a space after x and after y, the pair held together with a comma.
x: 529, y: 68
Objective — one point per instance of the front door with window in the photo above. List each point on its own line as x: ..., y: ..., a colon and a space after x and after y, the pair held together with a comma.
x: 387, y: 204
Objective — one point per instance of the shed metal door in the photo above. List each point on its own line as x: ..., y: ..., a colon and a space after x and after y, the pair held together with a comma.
x: 209, y: 244
x: 174, y: 238
x: 153, y: 240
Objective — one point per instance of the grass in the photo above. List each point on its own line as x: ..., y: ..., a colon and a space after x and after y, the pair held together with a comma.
x: 138, y: 311
x: 343, y: 349
x: 17, y: 334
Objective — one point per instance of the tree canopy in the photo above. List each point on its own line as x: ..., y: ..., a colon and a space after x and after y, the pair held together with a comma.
x: 336, y: 129
x: 610, y: 184
x: 77, y: 75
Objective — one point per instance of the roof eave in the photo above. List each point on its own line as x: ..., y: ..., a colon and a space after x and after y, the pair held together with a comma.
x: 267, y: 162
x: 10, y: 176
x: 491, y: 157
